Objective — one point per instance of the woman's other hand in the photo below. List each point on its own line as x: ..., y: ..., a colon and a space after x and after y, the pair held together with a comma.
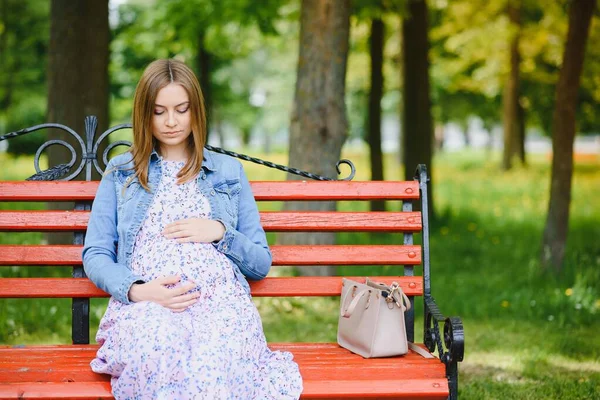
x: 197, y: 230
x: 176, y: 299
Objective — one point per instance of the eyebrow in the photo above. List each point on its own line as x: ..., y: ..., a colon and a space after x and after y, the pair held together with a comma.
x: 178, y: 105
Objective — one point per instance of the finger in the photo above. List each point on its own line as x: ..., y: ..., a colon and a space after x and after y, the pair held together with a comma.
x: 183, y: 289
x: 174, y: 225
x: 178, y: 307
x: 172, y: 229
x: 180, y: 310
x: 185, y: 239
x: 183, y: 298
x: 168, y: 280
x: 179, y: 234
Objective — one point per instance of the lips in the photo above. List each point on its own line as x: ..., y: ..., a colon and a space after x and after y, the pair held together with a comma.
x: 172, y: 133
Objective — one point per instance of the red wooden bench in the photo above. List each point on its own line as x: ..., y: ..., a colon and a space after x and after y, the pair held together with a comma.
x: 328, y: 371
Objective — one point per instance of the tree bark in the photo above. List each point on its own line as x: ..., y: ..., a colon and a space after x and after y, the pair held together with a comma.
x: 77, y: 78
x: 466, y: 133
x: 319, y: 125
x: 563, y: 135
x: 521, y: 136
x: 510, y: 97
x: 77, y: 70
x: 417, y: 129
x: 376, y: 42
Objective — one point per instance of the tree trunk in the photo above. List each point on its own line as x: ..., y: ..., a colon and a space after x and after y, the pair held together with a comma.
x: 510, y: 98
x: 77, y: 80
x: 466, y: 133
x: 77, y: 70
x: 417, y: 127
x: 521, y: 134
x: 204, y: 65
x: 374, y: 113
x: 319, y: 126
x: 438, y: 137
x: 563, y: 134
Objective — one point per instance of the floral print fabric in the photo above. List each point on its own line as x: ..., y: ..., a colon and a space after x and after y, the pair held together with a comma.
x: 216, y: 349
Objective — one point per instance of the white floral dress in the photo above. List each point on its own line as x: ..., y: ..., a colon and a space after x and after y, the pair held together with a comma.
x: 216, y: 349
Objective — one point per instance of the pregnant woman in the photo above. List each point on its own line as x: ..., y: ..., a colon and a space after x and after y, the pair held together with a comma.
x: 173, y: 234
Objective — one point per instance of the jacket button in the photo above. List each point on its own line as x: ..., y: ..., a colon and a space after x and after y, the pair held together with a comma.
x: 224, y: 247
x: 212, y: 192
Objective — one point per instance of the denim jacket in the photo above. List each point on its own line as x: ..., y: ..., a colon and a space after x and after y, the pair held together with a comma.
x: 119, y: 210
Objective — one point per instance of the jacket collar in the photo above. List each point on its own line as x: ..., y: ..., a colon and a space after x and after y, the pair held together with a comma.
x: 207, y: 159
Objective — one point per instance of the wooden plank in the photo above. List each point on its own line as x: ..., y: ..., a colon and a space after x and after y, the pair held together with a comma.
x: 43, y: 221
x: 35, y: 353
x: 55, y: 191
x: 312, y: 367
x: 339, y: 190
x: 263, y: 190
x: 424, y: 389
x: 376, y: 389
x: 304, y: 221
x: 69, y: 255
x: 268, y: 287
x: 272, y: 221
x: 56, y: 390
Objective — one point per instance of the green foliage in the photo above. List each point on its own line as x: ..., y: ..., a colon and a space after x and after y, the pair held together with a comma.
x: 244, y: 51
x: 24, y: 35
x: 470, y: 59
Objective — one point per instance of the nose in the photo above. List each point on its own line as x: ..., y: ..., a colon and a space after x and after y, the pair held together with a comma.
x: 171, y: 121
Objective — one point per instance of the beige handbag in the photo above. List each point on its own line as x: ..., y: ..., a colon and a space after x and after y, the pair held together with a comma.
x: 371, y: 321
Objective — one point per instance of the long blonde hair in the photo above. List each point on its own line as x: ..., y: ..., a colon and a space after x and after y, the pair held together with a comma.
x: 156, y: 76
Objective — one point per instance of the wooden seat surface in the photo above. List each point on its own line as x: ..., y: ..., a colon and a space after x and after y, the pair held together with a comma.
x: 328, y: 371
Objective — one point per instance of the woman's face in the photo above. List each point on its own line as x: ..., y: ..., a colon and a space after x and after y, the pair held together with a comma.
x: 171, y: 122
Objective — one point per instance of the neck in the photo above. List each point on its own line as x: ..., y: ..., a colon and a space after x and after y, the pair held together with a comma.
x: 174, y: 154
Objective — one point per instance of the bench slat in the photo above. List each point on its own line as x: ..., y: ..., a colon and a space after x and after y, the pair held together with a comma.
x: 268, y: 287
x: 328, y: 371
x: 272, y: 221
x: 263, y: 191
x: 69, y: 255
x: 424, y: 389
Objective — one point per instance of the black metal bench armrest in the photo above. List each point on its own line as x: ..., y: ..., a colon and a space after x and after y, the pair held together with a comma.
x: 452, y: 348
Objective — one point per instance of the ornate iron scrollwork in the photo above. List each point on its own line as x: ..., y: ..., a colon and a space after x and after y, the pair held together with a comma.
x: 451, y: 343
x: 89, y: 153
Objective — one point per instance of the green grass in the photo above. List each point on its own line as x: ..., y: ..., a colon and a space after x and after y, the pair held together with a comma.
x: 529, y: 334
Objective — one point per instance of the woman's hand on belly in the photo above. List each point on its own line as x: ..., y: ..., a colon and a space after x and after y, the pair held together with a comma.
x: 199, y: 230
x: 177, y: 299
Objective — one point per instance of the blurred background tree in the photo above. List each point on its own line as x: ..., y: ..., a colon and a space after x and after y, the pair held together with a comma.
x: 318, y: 126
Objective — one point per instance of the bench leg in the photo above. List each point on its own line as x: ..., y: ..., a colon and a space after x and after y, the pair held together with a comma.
x: 452, y: 375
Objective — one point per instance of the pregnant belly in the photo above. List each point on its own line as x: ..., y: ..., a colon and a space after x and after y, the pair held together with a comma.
x: 192, y: 261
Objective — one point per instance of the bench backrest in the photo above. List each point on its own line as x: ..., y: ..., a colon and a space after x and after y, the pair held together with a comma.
x: 80, y: 289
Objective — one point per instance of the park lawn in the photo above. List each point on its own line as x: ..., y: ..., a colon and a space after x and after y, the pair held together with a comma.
x: 529, y: 334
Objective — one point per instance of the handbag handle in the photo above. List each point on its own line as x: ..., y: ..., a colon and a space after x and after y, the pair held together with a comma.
x: 346, y: 312
x: 406, y: 305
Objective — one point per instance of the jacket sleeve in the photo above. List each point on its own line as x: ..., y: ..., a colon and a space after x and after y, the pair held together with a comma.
x: 99, y: 251
x: 246, y: 244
